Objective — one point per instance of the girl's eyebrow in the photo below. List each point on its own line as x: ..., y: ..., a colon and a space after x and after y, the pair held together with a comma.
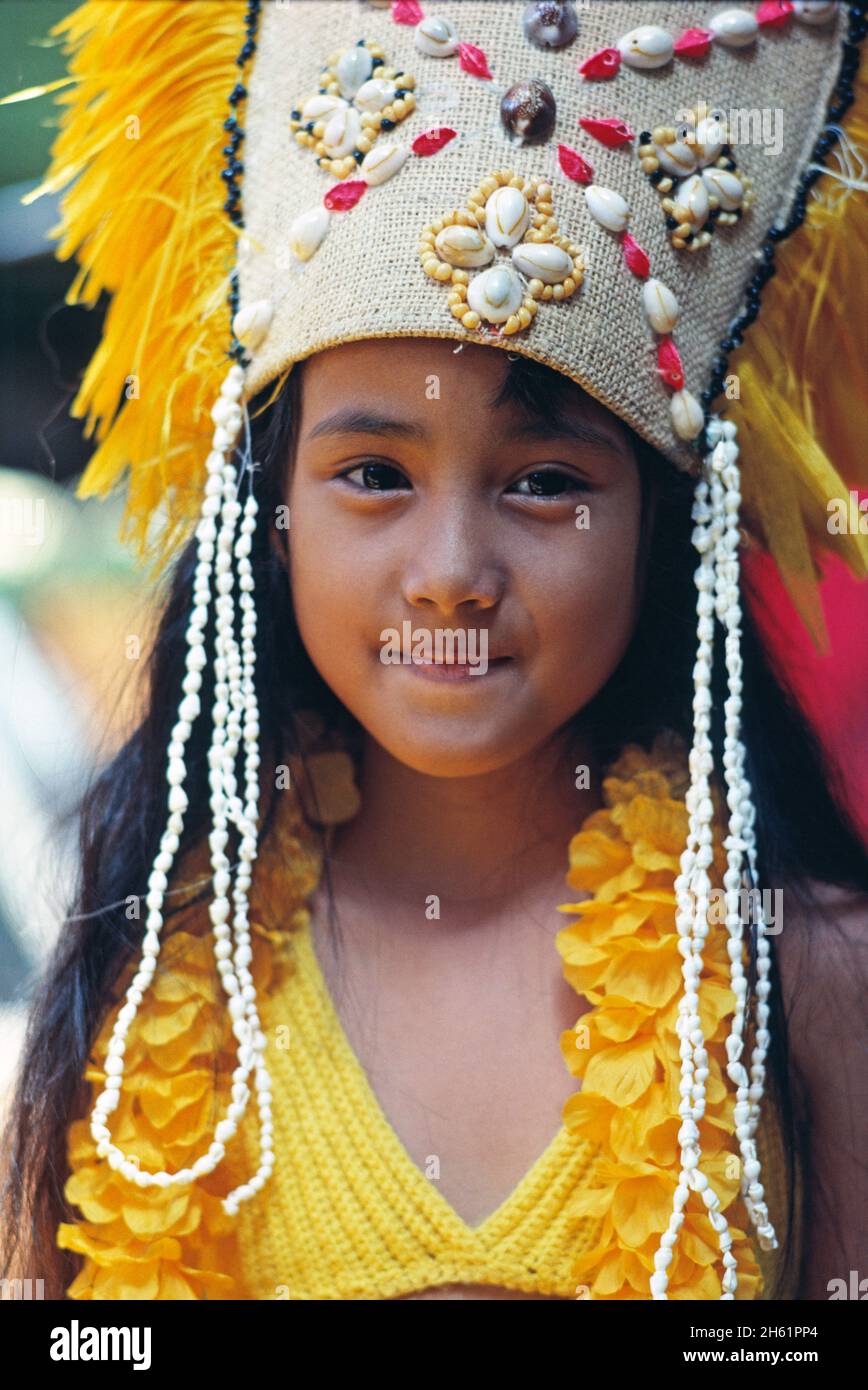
x: 356, y: 420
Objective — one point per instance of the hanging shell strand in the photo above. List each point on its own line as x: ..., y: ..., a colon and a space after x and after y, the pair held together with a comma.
x: 235, y: 719
x: 716, y: 537
x: 725, y: 476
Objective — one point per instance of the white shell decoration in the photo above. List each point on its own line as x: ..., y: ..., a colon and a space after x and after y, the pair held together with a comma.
x: 678, y: 158
x: 687, y: 415
x: 734, y: 28
x: 380, y: 163
x: 692, y: 197
x: 725, y: 187
x: 708, y: 140
x: 353, y: 68
x: 507, y: 216
x: 307, y: 232
x: 495, y: 294
x: 646, y: 47
x: 542, y: 260
x: 436, y: 37
x: 323, y: 104
x: 252, y: 322
x: 342, y: 132
x: 374, y: 94
x: 660, y: 305
x: 607, y: 207
x: 464, y: 246
x: 815, y: 11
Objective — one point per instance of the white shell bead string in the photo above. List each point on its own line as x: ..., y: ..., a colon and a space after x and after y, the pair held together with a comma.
x: 235, y: 719
x: 741, y: 839
x: 716, y: 538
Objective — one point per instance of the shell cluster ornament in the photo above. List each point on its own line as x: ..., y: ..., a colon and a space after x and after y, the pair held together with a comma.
x: 358, y: 97
x: 506, y: 213
x: 692, y: 168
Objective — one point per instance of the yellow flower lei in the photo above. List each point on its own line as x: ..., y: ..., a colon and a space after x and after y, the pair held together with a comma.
x: 621, y: 953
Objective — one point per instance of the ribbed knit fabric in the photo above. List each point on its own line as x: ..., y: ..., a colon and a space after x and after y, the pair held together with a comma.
x: 347, y: 1214
x: 354, y: 1216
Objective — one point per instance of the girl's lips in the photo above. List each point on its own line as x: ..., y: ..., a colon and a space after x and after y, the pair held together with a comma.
x: 456, y: 671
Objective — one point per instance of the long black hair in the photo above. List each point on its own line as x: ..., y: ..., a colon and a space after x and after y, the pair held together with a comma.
x: 803, y: 833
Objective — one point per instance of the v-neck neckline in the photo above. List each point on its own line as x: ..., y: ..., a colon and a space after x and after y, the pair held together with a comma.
x: 429, y: 1197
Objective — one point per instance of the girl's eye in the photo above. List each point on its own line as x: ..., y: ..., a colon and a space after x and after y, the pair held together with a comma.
x: 542, y: 482
x: 373, y: 476
x: 551, y: 482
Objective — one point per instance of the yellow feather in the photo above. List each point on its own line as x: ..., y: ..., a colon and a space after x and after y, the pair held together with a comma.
x: 141, y: 135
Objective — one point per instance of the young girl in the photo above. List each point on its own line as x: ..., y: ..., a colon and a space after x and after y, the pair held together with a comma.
x: 475, y: 697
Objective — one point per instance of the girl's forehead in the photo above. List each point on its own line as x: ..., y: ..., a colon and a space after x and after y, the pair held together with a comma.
x: 422, y: 374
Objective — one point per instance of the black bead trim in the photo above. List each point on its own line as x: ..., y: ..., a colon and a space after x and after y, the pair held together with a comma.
x: 234, y: 167
x: 840, y: 102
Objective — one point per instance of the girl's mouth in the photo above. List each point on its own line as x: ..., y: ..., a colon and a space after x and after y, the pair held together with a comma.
x: 457, y: 670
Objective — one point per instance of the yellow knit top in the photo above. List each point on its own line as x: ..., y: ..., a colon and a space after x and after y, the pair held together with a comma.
x: 347, y: 1214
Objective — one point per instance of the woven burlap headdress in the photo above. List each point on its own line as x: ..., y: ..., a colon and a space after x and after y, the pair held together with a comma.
x: 600, y: 186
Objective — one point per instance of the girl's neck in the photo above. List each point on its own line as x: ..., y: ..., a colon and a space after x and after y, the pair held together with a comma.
x: 474, y: 842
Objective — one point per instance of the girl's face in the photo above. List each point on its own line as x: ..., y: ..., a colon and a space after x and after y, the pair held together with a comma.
x: 418, y: 506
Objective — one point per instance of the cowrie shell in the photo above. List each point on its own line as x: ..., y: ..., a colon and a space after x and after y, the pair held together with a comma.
x: 464, y: 246
x: 342, y: 132
x: 708, y: 140
x: 252, y: 322
x: 507, y: 216
x: 660, y: 305
x: 380, y: 163
x: 815, y: 11
x: 692, y: 196
x: 322, y: 105
x: 495, y: 294
x: 678, y: 158
x: 687, y: 415
x: 542, y: 260
x: 734, y: 28
x: 436, y: 37
x: 354, y: 67
x: 374, y: 94
x: 646, y: 47
x: 725, y: 187
x: 607, y: 207
x: 307, y: 231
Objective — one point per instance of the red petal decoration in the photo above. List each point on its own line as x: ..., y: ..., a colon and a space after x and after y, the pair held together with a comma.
x: 574, y: 165
x: 430, y: 141
x: 773, y: 14
x: 344, y: 195
x: 602, y: 65
x: 636, y: 258
x: 694, y: 43
x: 669, y: 364
x: 610, y: 131
x: 407, y: 12
x: 473, y: 60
